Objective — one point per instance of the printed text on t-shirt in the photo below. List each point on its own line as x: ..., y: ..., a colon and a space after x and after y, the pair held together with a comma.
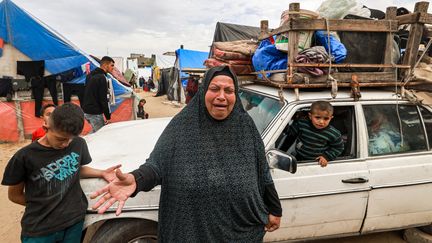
x: 60, y: 169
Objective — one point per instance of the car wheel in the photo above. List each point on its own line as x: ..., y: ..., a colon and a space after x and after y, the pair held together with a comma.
x: 126, y: 230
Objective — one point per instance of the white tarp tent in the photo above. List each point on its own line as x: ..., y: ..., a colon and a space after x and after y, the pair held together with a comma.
x: 164, y: 61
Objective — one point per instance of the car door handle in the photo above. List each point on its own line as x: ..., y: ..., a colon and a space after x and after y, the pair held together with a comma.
x: 355, y: 180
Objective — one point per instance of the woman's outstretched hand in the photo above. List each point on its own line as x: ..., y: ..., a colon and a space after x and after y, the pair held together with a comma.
x: 118, y: 190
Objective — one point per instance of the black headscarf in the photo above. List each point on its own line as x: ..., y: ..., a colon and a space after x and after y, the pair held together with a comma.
x: 212, y: 174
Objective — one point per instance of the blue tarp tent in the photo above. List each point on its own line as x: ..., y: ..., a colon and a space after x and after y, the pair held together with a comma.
x: 184, y: 59
x: 37, y: 41
x: 189, y: 59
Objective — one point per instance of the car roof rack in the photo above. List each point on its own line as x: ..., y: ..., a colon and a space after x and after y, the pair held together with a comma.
x: 390, y: 75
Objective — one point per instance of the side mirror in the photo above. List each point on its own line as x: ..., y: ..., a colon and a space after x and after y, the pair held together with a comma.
x: 281, y: 160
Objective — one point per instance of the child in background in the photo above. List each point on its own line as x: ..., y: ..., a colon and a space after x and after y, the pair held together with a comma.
x: 141, y: 113
x: 316, y: 138
x: 44, y: 176
x: 46, y: 112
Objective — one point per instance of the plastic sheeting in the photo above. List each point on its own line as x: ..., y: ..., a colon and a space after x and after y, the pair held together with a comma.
x: 11, y: 112
x: 231, y: 32
x: 337, y: 49
x: 337, y: 9
x: 267, y: 57
x: 35, y: 40
x: 190, y: 59
x: 164, y: 61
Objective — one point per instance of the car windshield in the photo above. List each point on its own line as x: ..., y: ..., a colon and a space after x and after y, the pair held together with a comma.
x: 261, y: 108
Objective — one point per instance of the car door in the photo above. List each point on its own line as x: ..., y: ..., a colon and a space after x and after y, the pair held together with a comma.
x: 320, y: 201
x: 399, y: 158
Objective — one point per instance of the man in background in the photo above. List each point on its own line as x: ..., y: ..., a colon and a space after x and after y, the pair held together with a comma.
x: 96, y: 95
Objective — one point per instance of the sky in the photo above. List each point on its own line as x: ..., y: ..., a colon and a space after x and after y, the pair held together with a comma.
x: 118, y: 28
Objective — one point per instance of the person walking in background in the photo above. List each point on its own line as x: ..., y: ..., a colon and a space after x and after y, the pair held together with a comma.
x: 96, y: 95
x: 141, y: 81
x: 44, y: 177
x: 45, y: 114
x: 210, y: 161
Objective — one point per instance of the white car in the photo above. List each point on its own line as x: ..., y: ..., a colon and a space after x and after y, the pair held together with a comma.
x: 381, y: 182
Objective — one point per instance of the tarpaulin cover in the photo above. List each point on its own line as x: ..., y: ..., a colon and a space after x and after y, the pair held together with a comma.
x: 34, y: 39
x: 231, y: 32
x: 1, y: 46
x: 38, y: 43
x: 267, y: 57
x: 164, y: 61
x: 8, y: 125
x: 123, y: 110
x: 337, y: 49
x: 190, y: 59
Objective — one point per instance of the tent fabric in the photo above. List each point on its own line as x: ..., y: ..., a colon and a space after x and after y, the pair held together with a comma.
x: 35, y: 40
x: 164, y: 61
x: 10, y: 131
x: 31, y: 40
x: 45, y: 45
x: 164, y: 81
x: 225, y: 32
x: 190, y: 59
x: 9, y: 126
x: 184, y: 59
x: 231, y: 32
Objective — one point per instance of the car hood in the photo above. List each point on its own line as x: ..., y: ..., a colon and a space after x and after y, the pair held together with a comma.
x: 127, y: 143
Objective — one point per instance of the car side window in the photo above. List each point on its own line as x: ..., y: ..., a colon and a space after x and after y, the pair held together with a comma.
x: 262, y: 109
x: 394, y: 129
x: 427, y: 119
x: 343, y: 120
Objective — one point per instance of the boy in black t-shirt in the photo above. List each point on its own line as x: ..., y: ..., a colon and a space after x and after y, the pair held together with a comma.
x: 44, y: 177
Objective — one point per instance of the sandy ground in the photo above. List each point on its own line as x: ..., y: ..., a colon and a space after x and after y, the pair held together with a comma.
x: 156, y: 107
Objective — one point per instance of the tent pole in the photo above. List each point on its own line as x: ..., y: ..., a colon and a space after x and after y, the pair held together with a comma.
x: 20, y: 123
x: 62, y: 93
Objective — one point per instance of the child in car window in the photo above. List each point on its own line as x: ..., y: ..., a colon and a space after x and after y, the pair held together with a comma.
x: 316, y: 139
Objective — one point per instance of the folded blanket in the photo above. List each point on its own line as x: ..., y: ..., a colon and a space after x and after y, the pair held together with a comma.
x: 238, y: 69
x: 316, y: 54
x: 235, y: 62
x: 246, y: 47
x: 229, y: 55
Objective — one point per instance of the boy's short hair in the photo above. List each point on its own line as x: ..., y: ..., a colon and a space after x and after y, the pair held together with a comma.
x: 46, y: 107
x: 106, y: 59
x: 142, y: 100
x: 68, y: 118
x: 321, y: 106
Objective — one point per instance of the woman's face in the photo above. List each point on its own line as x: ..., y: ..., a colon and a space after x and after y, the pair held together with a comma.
x: 220, y: 97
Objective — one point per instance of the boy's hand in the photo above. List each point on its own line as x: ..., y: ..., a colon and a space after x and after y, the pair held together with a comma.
x: 322, y: 161
x: 110, y: 173
x: 273, y: 223
x: 119, y: 190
